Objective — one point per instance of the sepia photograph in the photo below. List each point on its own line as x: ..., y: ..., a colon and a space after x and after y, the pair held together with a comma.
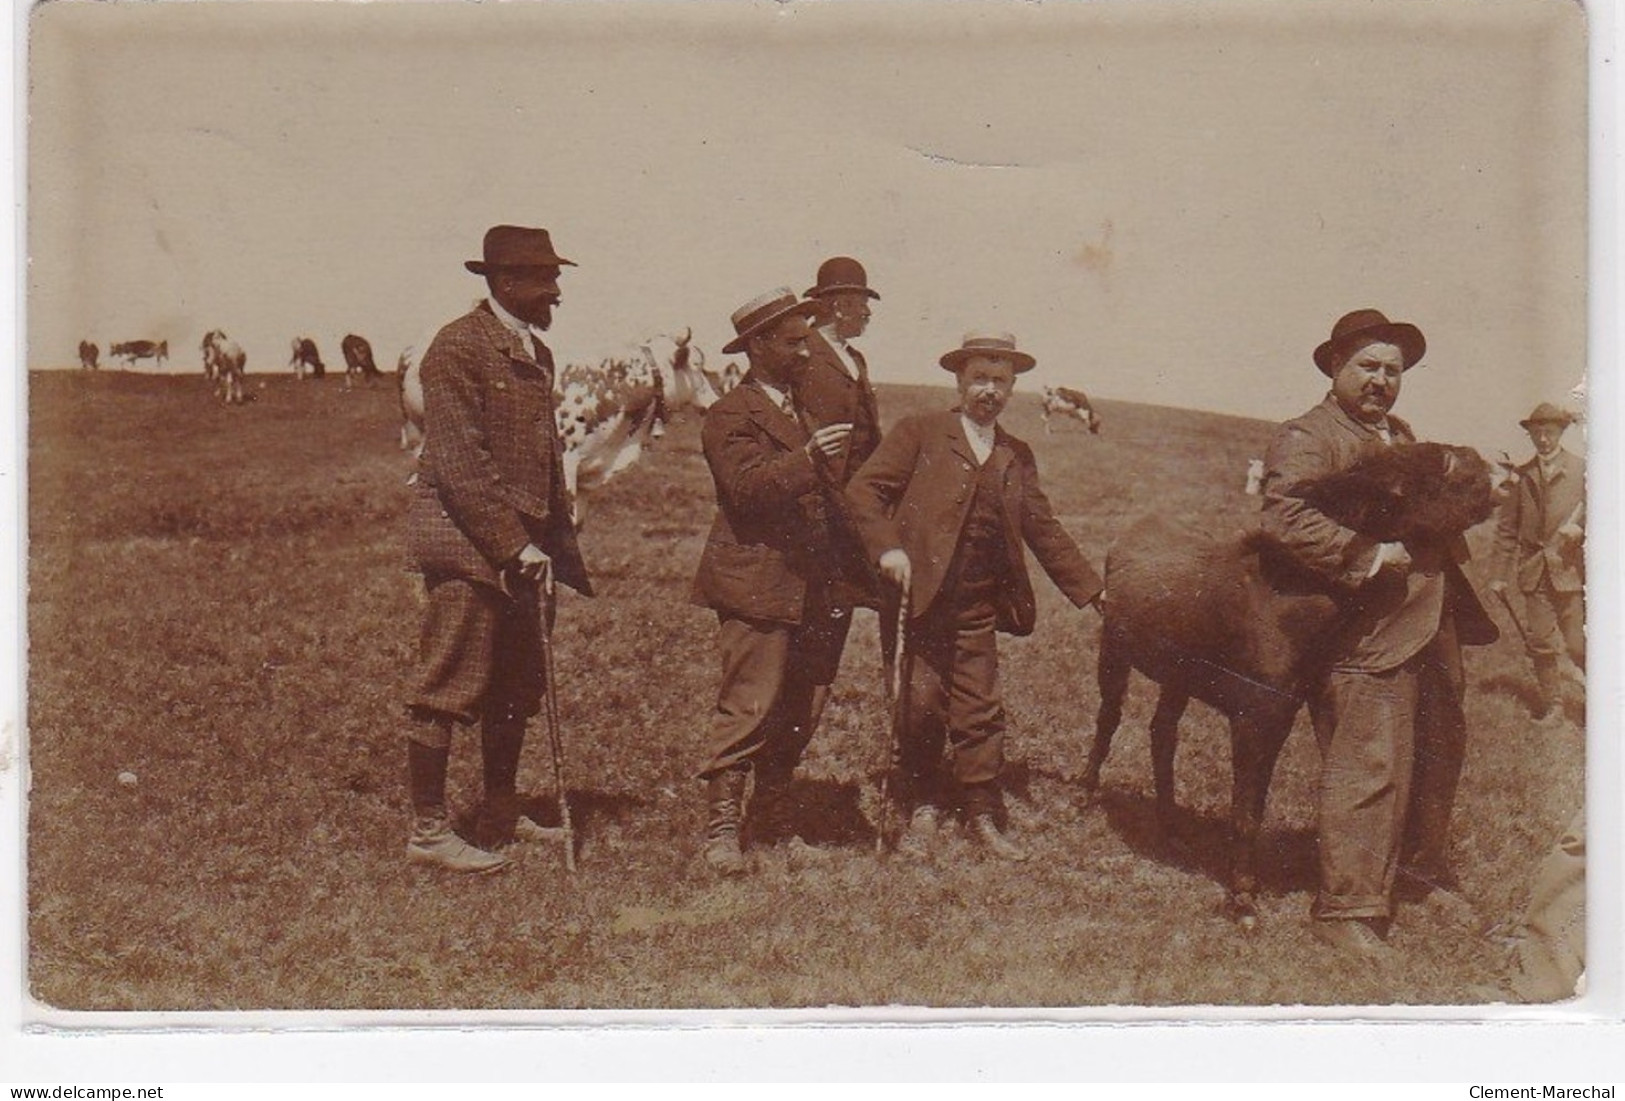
x: 887, y: 506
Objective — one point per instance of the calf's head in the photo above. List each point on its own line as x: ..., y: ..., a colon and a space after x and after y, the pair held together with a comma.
x: 1412, y: 493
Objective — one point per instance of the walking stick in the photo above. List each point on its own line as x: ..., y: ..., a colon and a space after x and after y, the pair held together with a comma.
x: 1523, y: 636
x: 555, y: 740
x: 897, y: 678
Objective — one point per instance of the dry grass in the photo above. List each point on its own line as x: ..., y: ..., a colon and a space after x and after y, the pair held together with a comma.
x: 216, y: 604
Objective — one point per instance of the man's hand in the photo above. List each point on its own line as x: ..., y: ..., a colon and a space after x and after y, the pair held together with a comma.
x: 1498, y: 586
x: 1391, y: 556
x: 829, y: 441
x: 533, y: 564
x: 1570, y: 533
x: 894, y: 567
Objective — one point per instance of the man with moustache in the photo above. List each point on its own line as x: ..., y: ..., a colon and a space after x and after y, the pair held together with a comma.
x: 1389, y: 715
x: 1540, y: 545
x: 766, y: 571
x: 489, y: 529
x: 944, y: 506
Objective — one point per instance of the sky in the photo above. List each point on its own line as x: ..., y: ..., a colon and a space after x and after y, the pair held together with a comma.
x: 1164, y: 202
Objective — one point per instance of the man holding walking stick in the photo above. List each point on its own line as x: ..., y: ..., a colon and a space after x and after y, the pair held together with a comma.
x: 489, y: 529
x: 944, y: 506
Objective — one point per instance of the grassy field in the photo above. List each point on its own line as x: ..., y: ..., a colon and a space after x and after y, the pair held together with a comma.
x: 217, y: 605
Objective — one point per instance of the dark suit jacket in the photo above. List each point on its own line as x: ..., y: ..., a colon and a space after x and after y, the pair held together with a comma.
x: 915, y: 493
x: 1526, y: 540
x: 827, y: 394
x: 1392, y: 617
x: 491, y: 473
x: 769, y: 542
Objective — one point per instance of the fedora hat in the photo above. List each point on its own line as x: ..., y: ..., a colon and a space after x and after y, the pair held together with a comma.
x: 1547, y: 413
x: 1364, y: 327
x: 841, y: 275
x: 761, y: 312
x: 510, y: 247
x: 992, y: 345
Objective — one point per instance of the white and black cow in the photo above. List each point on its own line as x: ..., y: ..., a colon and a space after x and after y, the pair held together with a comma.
x: 223, y: 361
x: 132, y: 350
x: 607, y: 409
x: 306, y: 360
x: 1065, y: 402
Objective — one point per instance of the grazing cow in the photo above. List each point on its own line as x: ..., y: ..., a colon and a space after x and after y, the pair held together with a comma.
x: 132, y: 350
x: 1237, y: 624
x: 89, y: 355
x: 1255, y: 477
x: 726, y: 379
x: 607, y: 410
x: 357, y: 359
x: 223, y: 361
x: 305, y: 359
x: 1065, y: 402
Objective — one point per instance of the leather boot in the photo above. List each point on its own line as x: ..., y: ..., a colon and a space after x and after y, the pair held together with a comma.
x: 919, y: 839
x: 986, y: 830
x: 434, y: 844
x: 724, y: 796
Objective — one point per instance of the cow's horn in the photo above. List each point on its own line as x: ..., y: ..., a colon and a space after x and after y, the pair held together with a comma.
x: 1449, y: 463
x: 688, y: 334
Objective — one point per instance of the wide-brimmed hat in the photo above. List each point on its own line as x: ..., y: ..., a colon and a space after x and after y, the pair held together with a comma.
x: 841, y: 275
x: 1547, y: 413
x: 761, y: 312
x: 1364, y: 327
x: 510, y: 247
x: 992, y: 345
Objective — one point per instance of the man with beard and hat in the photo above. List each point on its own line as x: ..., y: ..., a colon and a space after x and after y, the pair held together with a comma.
x: 1540, y: 545
x: 766, y: 571
x: 1388, y: 716
x: 489, y: 529
x: 944, y: 506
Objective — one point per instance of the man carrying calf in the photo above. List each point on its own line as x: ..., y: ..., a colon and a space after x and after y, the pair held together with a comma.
x: 1389, y: 715
x: 489, y: 530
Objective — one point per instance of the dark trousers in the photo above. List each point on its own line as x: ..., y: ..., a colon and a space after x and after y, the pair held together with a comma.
x: 1392, y: 745
x: 953, y: 700
x: 775, y: 681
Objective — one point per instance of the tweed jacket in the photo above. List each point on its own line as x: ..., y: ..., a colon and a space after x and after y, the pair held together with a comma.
x: 827, y: 394
x: 1393, y: 617
x: 490, y: 478
x: 1527, y: 545
x: 769, y: 543
x: 915, y: 493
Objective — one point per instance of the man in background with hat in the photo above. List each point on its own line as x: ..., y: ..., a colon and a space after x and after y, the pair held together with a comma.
x: 766, y: 571
x: 1388, y: 716
x: 944, y: 506
x: 1540, y: 546
x: 490, y: 530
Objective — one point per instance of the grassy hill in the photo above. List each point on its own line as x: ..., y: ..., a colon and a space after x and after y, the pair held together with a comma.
x: 217, y: 606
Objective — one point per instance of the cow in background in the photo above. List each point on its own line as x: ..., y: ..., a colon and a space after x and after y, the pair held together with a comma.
x: 305, y: 359
x: 132, y: 350
x: 607, y: 410
x: 1237, y: 624
x: 1066, y: 402
x: 89, y: 355
x: 726, y: 379
x: 357, y: 359
x: 223, y: 362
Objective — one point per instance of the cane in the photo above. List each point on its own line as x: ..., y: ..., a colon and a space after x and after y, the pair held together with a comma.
x: 555, y: 740
x: 1523, y: 636
x: 897, y: 678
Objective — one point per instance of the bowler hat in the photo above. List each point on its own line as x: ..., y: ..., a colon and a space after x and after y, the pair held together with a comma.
x: 1354, y: 330
x: 510, y: 247
x: 762, y: 311
x: 841, y: 275
x: 1547, y: 413
x: 990, y: 345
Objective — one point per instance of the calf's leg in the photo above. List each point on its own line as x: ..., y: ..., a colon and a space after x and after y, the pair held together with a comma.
x: 1112, y: 674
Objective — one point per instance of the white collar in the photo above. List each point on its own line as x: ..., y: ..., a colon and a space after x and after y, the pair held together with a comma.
x: 980, y: 437
x: 781, y: 398
x: 514, y: 325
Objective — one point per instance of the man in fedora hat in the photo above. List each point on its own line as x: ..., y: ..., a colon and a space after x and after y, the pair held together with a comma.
x: 1388, y: 716
x: 1540, y: 546
x: 489, y: 529
x: 765, y: 571
x: 944, y: 506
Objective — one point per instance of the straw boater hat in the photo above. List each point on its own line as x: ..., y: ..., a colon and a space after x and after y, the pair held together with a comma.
x: 1365, y: 327
x: 1547, y: 413
x: 513, y: 247
x: 761, y: 312
x: 841, y: 275
x: 991, y: 345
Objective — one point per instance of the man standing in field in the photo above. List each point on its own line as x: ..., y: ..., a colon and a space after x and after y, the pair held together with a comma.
x: 766, y: 572
x: 490, y: 530
x: 944, y: 506
x: 1540, y: 545
x: 1389, y: 715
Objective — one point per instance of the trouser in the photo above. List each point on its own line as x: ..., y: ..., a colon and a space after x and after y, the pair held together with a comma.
x: 775, y: 681
x: 1556, y: 622
x: 1392, y: 745
x: 953, y: 698
x: 480, y: 652
x: 1551, y: 954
